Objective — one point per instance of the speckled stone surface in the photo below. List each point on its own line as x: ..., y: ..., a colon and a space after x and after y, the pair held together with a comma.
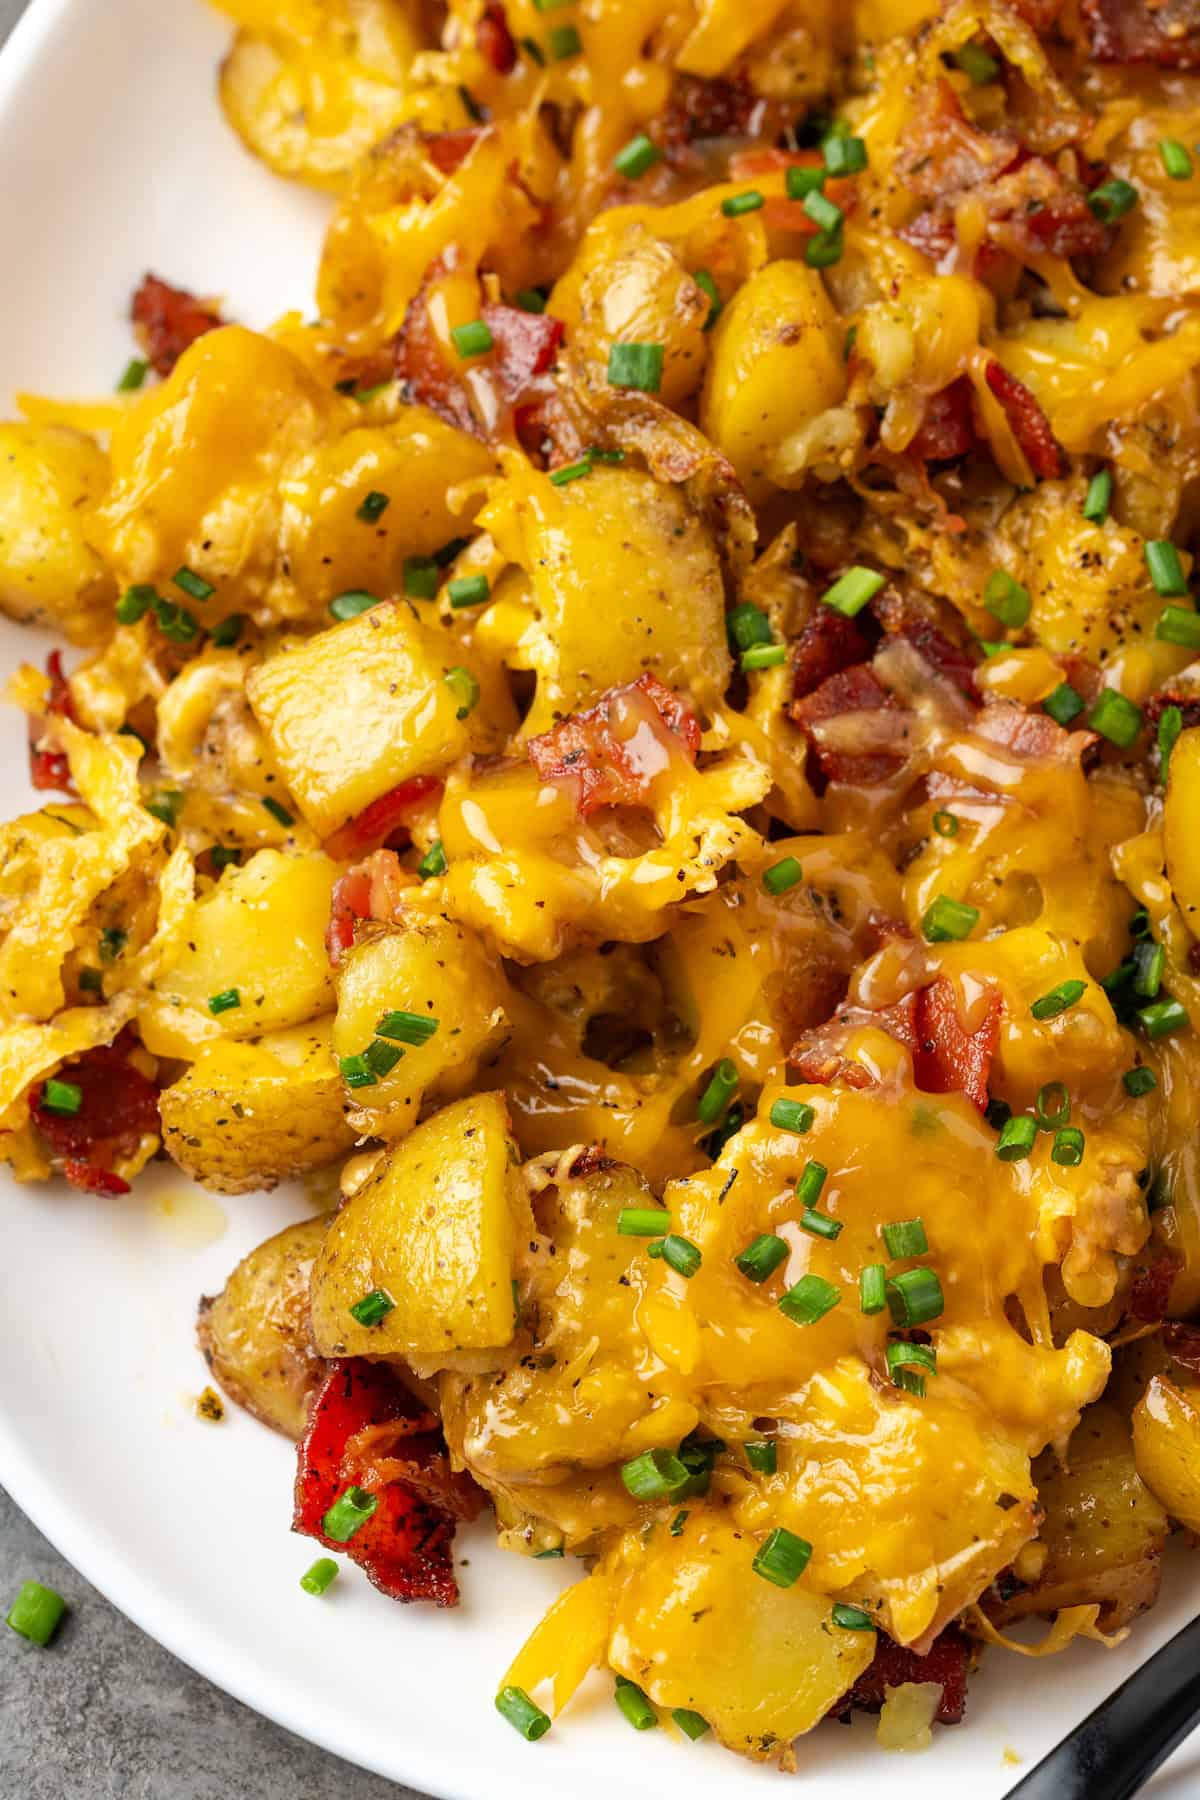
x: 105, y: 1713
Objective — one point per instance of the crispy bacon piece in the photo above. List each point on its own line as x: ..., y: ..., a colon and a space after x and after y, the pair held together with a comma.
x: 817, y: 1055
x: 1040, y: 15
x: 404, y: 1547
x: 1030, y: 426
x: 948, y: 428
x: 495, y: 40
x: 166, y: 320
x: 891, y: 1666
x: 376, y: 823
x: 370, y: 890
x: 1150, y: 1289
x: 946, y: 1059
x: 828, y: 643
x: 448, y: 150
x: 50, y: 769
x: 1031, y: 734
x: 781, y: 213
x: 118, y: 1109
x: 420, y: 364
x: 702, y: 108
x: 854, y: 690
x: 904, y: 617
x: 1166, y: 32
x: 941, y: 154
x: 614, y: 750
x: 526, y: 345
x: 1189, y: 706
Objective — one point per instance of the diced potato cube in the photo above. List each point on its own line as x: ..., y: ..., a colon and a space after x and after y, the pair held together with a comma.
x: 435, y: 1227
x: 50, y: 477
x: 1166, y: 1447
x: 354, y: 711
x: 255, y: 1333
x: 261, y: 934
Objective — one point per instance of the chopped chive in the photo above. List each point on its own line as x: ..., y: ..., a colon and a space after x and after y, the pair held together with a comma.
x: 91, y: 981
x: 655, y: 1475
x: 763, y: 656
x: 642, y: 1221
x: 420, y: 577
x: 800, y: 183
x: 633, y: 1704
x: 734, y: 205
x: 1099, y: 497
x: 349, y: 1511
x: 1058, y: 999
x: 165, y: 806
x: 356, y: 1071
x: 350, y: 605
x: 133, y: 375
x: 721, y: 1088
x: 554, y: 1554
x: 1067, y: 1148
x: 570, y: 472
x: 707, y: 285
x: 226, y: 1001
x: 762, y: 1456
x: 903, y: 1359
x: 1064, y: 704
x: 761, y: 1258
x: 809, y: 1300
x: 822, y: 211
x: 1112, y: 200
x: 808, y: 1188
x: 134, y: 602
x: 690, y: 1723
x: 112, y: 942
x: 373, y: 507
x: 597, y: 454
x: 227, y: 632
x: 948, y: 921
x: 637, y: 366
x: 823, y: 250
x: 63, y: 1097
x: 819, y: 1224
x: 530, y: 300
x: 279, y: 813
x: 844, y: 155
x: 36, y: 1612
x: 1116, y: 718
x: 450, y: 549
x: 364, y: 396
x: 1179, y: 625
x: 1139, y: 1080
x: 635, y: 157
x: 748, y: 625
x: 465, y: 688
x: 851, y: 591
x: 781, y: 876
x: 1006, y: 599
x: 915, y: 1297
x: 564, y: 42
x: 1170, y: 725
x: 545, y: 6
x: 373, y: 1307
x: 1052, y: 1106
x: 175, y: 622
x: 472, y: 339
x: 680, y: 1254
x: 976, y: 64
x: 1166, y: 570
x: 848, y: 342
x: 468, y: 590
x: 381, y: 1057
x: 945, y: 824
x: 792, y: 1115
x: 523, y: 1714
x: 729, y: 1127
x: 1016, y: 1138
x: 782, y: 1557
x: 678, y: 1522
x: 433, y: 862
x: 1163, y: 1016
x: 851, y: 1618
x: 1175, y: 158
x: 1149, y: 964
x: 193, y: 585
x: 905, y: 1238
x: 872, y: 1289
x: 320, y: 1576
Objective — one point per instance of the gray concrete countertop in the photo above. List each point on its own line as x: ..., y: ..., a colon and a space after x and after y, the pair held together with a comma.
x: 105, y: 1713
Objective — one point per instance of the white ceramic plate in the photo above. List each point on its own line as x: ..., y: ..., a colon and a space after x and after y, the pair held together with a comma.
x: 115, y: 159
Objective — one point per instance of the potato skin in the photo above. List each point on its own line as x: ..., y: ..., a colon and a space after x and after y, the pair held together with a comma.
x: 49, y: 574
x: 255, y: 1334
x: 246, y: 1116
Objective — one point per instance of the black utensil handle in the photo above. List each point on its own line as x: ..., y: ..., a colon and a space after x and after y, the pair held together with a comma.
x: 1119, y: 1746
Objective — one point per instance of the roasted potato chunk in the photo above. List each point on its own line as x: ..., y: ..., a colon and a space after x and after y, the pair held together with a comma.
x: 248, y: 1116
x: 435, y: 1227
x: 50, y: 478
x: 255, y: 1333
x: 1166, y: 1447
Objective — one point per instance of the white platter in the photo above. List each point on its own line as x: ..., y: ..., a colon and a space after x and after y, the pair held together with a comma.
x: 115, y: 159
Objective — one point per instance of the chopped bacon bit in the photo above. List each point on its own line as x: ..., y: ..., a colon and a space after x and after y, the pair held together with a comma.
x: 1166, y: 32
x: 817, y: 1056
x: 882, y: 928
x: 118, y: 1109
x: 48, y: 768
x: 1182, y: 1344
x: 949, y: 1060
x: 91, y: 1180
x: 370, y: 890
x: 829, y: 643
x: 948, y: 427
x: 892, y: 1665
x: 700, y: 108
x: 1157, y: 704
x: 853, y: 690
x: 167, y: 320
x: 404, y: 1547
x: 448, y: 150
x: 902, y: 616
x: 941, y: 154
x: 1031, y: 734
x: 526, y: 345
x: 1150, y: 1289
x: 421, y: 365
x: 780, y: 213
x: 378, y: 821
x: 614, y: 751
x: 495, y: 40
x: 1028, y: 422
